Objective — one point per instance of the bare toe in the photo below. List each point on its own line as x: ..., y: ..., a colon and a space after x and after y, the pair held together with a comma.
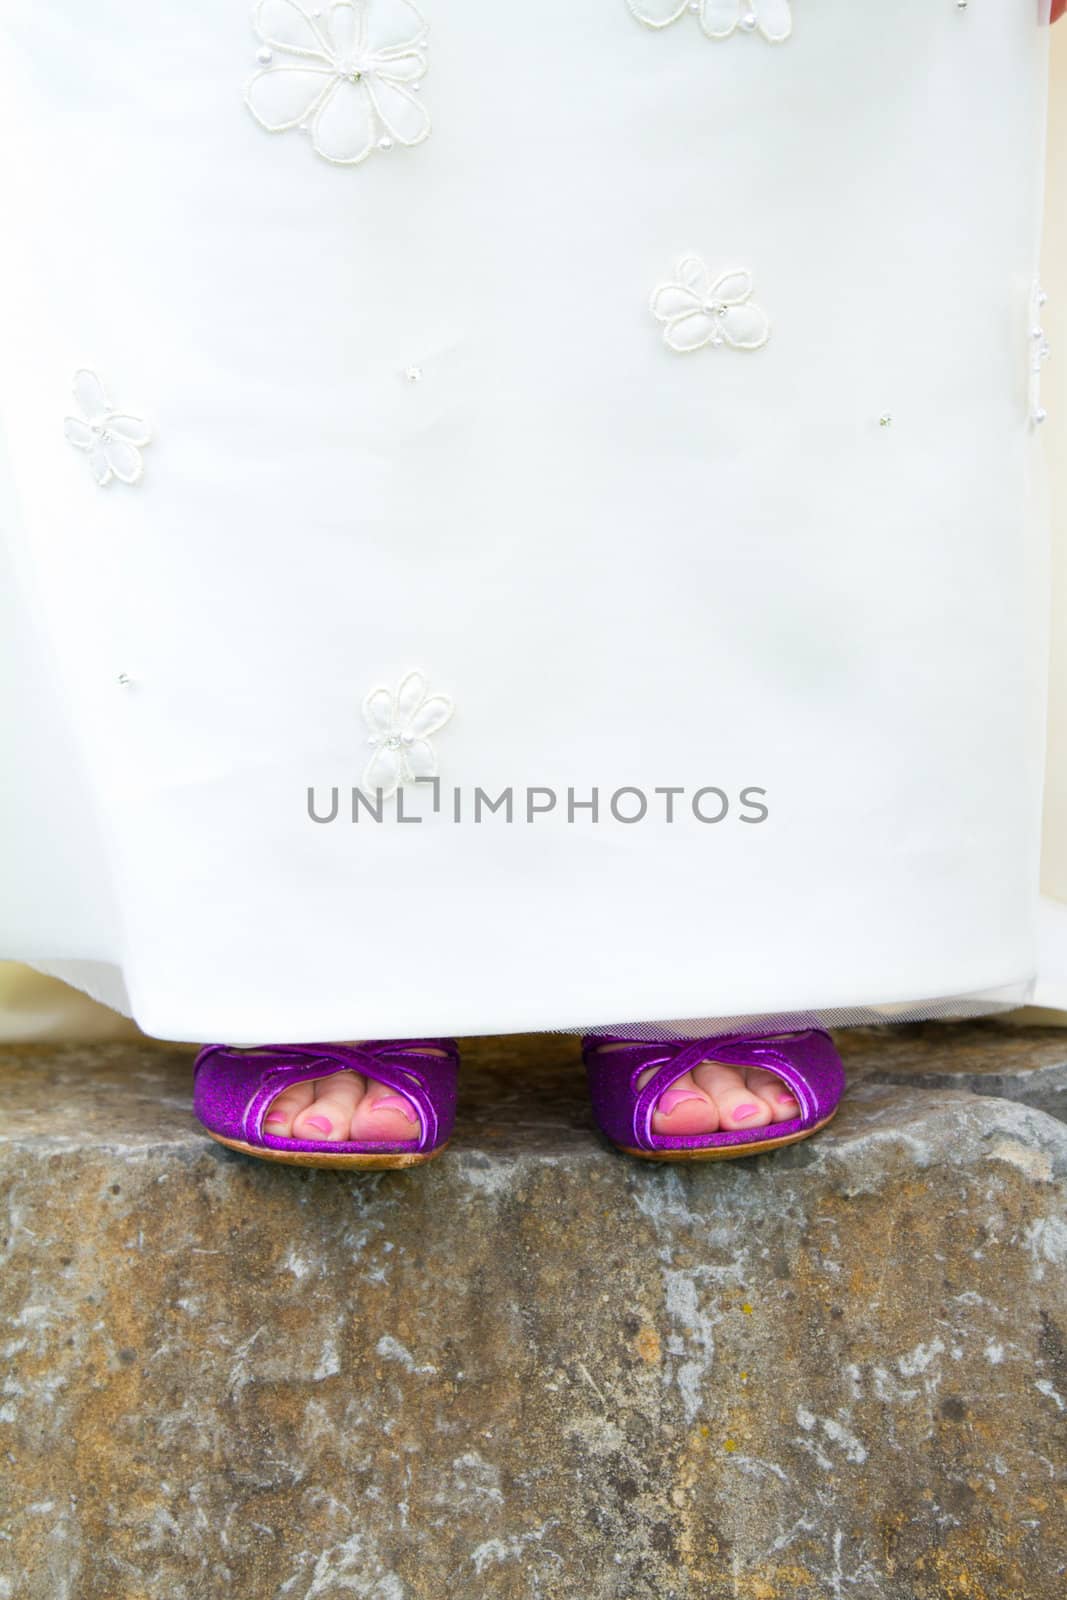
x: 385, y: 1114
x: 684, y: 1109
x: 739, y: 1106
x: 772, y: 1091
x: 285, y: 1107
x: 329, y: 1117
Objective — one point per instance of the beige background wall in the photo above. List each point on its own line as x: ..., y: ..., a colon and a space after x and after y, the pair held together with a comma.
x: 33, y: 1007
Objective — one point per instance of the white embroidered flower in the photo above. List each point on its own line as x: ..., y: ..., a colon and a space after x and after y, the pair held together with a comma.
x: 349, y: 75
x: 1040, y: 352
x: 113, y: 439
x: 721, y: 18
x: 697, y: 312
x: 400, y: 727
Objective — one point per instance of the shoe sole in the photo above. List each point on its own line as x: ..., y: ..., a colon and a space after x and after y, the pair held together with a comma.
x: 729, y: 1152
x: 388, y: 1161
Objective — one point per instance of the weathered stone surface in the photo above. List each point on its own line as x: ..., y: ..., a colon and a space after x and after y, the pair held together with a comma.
x: 535, y: 1370
x: 1024, y: 1064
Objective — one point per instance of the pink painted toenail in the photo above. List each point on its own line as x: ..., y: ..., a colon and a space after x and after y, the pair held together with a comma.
x: 785, y: 1096
x: 396, y: 1102
x: 323, y: 1124
x: 277, y: 1117
x: 745, y: 1111
x: 671, y: 1099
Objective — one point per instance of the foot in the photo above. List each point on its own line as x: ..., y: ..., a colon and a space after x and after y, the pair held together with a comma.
x: 342, y: 1107
x: 715, y: 1098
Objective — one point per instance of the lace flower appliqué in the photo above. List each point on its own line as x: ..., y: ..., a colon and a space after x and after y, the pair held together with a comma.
x: 697, y: 312
x: 349, y: 75
x: 400, y: 726
x: 113, y: 440
x: 721, y: 18
x: 1040, y: 352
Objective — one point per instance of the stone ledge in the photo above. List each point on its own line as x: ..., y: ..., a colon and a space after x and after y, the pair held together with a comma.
x: 1024, y: 1064
x: 534, y: 1370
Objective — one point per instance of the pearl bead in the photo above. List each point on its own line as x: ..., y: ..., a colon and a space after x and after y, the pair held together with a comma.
x: 748, y: 21
x: 265, y: 56
x: 385, y: 143
x: 1040, y: 415
x: 125, y: 681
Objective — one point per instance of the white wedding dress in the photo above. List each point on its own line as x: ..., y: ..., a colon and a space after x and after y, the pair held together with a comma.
x: 617, y: 397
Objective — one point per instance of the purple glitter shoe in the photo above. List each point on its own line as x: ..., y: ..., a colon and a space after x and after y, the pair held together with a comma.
x: 806, y: 1062
x: 234, y: 1089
